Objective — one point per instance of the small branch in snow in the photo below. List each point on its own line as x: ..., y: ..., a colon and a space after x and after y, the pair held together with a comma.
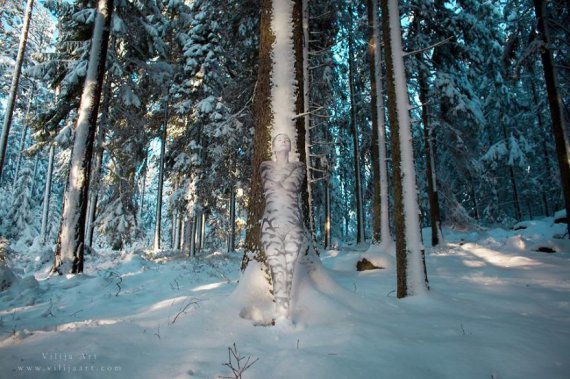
x: 183, y: 310
x: 235, y: 362
x: 428, y: 47
x: 157, y: 332
x: 75, y: 313
x: 175, y: 283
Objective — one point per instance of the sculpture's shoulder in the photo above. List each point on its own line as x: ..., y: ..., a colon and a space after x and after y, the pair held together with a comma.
x: 296, y: 165
x: 298, y: 168
x: 266, y: 165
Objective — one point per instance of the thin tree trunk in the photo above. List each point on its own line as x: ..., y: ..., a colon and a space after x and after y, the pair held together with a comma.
x: 381, y: 226
x: 327, y: 214
x: 307, y: 118
x: 47, y: 195
x: 15, y: 83
x: 203, y: 231
x: 23, y: 137
x: 193, y: 236
x: 156, y: 242
x: 410, y: 260
x: 356, y: 152
x: 70, y: 246
x: 232, y: 226
x: 430, y: 167
x: 556, y: 108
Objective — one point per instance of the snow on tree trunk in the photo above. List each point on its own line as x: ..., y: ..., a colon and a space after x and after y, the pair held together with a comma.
x: 283, y: 84
x: 11, y: 103
x: 156, y: 241
x: 70, y: 246
x: 47, y: 195
x: 356, y: 148
x: 410, y: 263
x: 381, y: 227
x: 556, y: 108
x: 276, y: 82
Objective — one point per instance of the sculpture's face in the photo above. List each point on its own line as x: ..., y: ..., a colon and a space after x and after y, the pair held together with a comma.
x: 281, y: 143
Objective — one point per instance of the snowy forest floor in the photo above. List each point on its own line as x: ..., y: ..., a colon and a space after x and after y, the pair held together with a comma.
x: 497, y: 309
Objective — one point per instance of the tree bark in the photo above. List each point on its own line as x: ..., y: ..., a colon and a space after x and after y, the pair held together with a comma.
x: 556, y: 108
x: 410, y: 261
x: 381, y: 227
x: 23, y: 137
x: 70, y: 246
x: 47, y: 195
x: 98, y: 164
x: 263, y: 117
x: 232, y: 226
x: 15, y: 83
x: 360, y: 237
x: 430, y: 166
x: 157, y: 224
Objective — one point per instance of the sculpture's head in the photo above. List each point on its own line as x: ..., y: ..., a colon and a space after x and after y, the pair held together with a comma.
x: 281, y: 142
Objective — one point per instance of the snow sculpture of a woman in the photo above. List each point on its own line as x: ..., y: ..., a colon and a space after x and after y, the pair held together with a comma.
x: 282, y: 228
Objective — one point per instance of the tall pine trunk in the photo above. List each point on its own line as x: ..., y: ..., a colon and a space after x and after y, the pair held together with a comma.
x: 276, y: 103
x: 304, y: 60
x: 263, y: 118
x: 410, y: 262
x: 47, y: 195
x: 98, y: 164
x: 70, y: 246
x: 556, y: 108
x: 157, y: 223
x: 433, y: 195
x: 381, y: 227
x: 23, y: 137
x: 14, y: 86
x: 232, y: 226
x: 360, y: 237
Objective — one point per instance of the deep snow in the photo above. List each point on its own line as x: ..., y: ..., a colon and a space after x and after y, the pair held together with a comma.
x: 497, y: 309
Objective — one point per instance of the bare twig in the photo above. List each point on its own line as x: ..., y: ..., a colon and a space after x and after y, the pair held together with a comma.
x: 235, y: 363
x: 183, y: 310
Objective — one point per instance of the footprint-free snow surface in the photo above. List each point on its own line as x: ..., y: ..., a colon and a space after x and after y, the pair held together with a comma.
x: 497, y: 308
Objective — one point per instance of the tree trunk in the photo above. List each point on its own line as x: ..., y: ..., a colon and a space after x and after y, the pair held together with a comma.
x: 381, y: 227
x: 47, y: 195
x: 192, y: 251
x: 327, y: 214
x: 544, y: 146
x: 360, y: 237
x: 305, y: 100
x: 23, y: 137
x: 98, y: 164
x: 410, y: 261
x: 203, y: 231
x: 156, y: 241
x: 70, y: 246
x: 263, y: 117
x: 15, y: 83
x: 556, y: 108
x: 430, y: 166
x: 232, y: 226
